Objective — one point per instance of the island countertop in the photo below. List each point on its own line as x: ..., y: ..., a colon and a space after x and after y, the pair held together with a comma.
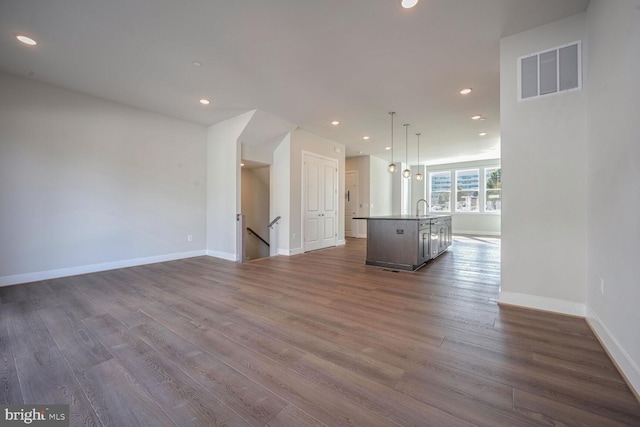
x: 404, y: 217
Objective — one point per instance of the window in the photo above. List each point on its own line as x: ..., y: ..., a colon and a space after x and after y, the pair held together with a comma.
x: 474, y: 190
x: 467, y: 189
x: 440, y: 190
x: 493, y: 189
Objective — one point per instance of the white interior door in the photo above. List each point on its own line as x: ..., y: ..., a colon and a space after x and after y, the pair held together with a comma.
x: 320, y: 207
x: 350, y: 202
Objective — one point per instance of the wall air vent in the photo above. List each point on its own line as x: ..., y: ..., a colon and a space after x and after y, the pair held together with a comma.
x: 551, y: 71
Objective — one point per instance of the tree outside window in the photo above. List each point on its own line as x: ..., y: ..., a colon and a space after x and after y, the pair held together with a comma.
x: 493, y: 190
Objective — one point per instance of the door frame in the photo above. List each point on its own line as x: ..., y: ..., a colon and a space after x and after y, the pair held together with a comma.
x: 354, y: 227
x: 303, y: 193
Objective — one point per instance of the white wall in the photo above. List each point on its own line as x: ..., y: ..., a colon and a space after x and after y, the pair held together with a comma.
x: 87, y: 184
x: 613, y: 174
x: 418, y: 188
x: 361, y: 164
x: 381, y: 187
x: 397, y: 200
x: 466, y: 223
x: 544, y: 145
x: 255, y: 207
x: 223, y: 185
x: 280, y: 198
x: 374, y: 188
x: 257, y: 154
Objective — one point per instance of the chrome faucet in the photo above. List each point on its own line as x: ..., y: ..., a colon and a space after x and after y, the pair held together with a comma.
x: 418, y: 206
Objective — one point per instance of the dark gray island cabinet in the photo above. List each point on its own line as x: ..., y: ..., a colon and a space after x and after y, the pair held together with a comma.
x: 404, y: 242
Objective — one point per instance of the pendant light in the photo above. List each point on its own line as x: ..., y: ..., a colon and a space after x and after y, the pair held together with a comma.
x: 407, y: 172
x: 418, y: 175
x: 392, y: 166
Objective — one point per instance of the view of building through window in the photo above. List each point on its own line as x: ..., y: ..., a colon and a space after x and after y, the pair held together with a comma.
x: 440, y: 190
x: 470, y: 193
x: 467, y: 189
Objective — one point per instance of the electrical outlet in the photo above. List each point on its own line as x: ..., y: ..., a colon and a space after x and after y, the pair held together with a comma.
x: 189, y: 238
x: 602, y: 286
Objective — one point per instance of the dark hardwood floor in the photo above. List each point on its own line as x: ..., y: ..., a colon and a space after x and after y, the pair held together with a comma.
x: 314, y: 339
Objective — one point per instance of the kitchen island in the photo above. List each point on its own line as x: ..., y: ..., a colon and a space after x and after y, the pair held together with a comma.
x: 405, y: 242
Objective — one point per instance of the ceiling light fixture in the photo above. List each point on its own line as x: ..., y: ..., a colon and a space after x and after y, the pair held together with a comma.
x: 205, y: 101
x: 335, y: 123
x: 26, y: 40
x: 197, y: 63
x: 387, y: 148
x: 366, y: 138
x: 408, y: 4
x: 418, y: 175
x: 466, y: 91
x: 241, y: 164
x: 392, y: 166
x: 476, y: 117
x: 407, y: 172
x: 482, y: 134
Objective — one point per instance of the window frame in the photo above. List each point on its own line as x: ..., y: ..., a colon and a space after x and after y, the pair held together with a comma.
x: 458, y: 171
x: 431, y: 190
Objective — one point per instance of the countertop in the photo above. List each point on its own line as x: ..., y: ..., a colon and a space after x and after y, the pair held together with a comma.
x: 404, y: 217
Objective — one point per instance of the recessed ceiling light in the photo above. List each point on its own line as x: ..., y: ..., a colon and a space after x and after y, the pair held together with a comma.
x: 359, y: 152
x: 466, y: 91
x: 476, y: 117
x: 205, y: 101
x: 408, y: 4
x: 482, y: 133
x: 241, y: 164
x: 366, y: 137
x: 197, y: 63
x: 26, y: 40
x: 335, y: 123
x: 387, y: 148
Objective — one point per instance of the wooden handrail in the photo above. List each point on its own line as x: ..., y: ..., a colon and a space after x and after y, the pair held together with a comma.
x: 258, y: 236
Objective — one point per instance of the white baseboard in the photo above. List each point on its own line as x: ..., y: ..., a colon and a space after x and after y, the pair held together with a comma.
x: 620, y: 357
x: 223, y: 255
x: 542, y: 303
x: 361, y: 236
x: 93, y: 268
x: 289, y: 252
x: 477, y: 233
x: 342, y: 242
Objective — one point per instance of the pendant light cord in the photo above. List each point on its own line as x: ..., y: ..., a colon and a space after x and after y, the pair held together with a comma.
x: 406, y: 143
x: 392, y: 114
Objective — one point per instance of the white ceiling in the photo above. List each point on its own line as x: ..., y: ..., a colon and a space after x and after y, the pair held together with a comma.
x: 298, y: 62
